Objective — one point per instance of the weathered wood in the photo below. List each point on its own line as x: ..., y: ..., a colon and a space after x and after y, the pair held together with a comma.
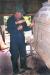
x: 49, y: 1
x: 42, y: 33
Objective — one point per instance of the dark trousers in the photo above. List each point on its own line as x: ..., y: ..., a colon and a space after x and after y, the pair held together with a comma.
x: 17, y: 48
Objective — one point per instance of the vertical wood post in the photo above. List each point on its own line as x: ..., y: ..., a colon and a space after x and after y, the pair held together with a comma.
x: 48, y: 1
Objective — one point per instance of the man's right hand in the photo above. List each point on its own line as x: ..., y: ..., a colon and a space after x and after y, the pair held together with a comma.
x: 19, y: 22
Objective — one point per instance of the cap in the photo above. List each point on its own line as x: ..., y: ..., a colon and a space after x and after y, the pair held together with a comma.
x: 19, y: 8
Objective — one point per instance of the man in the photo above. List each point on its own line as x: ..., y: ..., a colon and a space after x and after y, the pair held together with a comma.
x: 16, y: 26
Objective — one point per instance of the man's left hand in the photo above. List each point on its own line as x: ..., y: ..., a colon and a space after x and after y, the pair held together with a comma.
x: 20, y: 28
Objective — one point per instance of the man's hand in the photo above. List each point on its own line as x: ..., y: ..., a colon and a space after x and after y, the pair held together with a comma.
x: 20, y: 28
x: 19, y: 22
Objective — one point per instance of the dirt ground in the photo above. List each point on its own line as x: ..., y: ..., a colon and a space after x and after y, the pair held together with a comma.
x: 37, y: 65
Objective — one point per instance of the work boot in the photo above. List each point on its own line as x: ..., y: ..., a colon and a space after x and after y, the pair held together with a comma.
x: 26, y: 68
x: 21, y: 70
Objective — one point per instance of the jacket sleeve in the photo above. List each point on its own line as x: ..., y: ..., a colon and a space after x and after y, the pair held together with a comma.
x: 10, y: 25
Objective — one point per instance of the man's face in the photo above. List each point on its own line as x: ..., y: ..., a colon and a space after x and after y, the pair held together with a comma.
x: 18, y: 15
